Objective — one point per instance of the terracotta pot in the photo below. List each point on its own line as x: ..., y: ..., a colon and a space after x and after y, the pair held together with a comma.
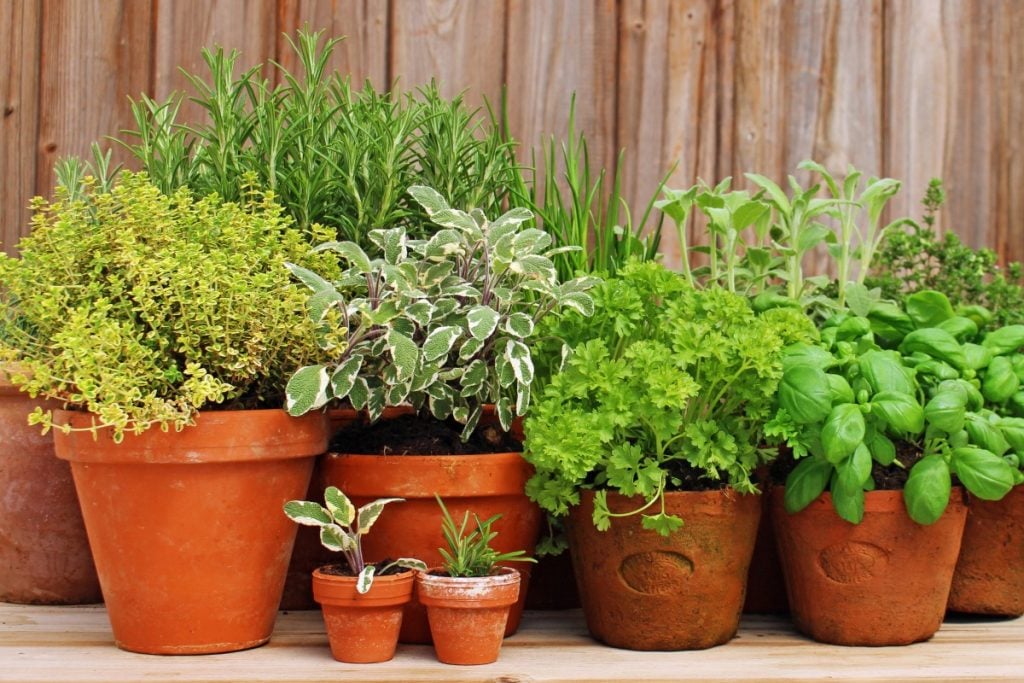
x: 989, y: 577
x: 44, y: 552
x: 362, y: 628
x: 186, y: 527
x: 884, y: 581
x: 483, y: 484
x: 644, y: 591
x: 309, y: 553
x: 468, y: 615
x: 766, y: 586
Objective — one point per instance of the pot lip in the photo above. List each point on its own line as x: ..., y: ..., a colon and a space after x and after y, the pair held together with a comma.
x: 504, y: 577
x: 218, y: 436
x: 396, y: 460
x: 402, y: 576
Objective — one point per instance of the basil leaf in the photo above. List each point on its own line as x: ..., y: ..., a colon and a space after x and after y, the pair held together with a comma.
x: 936, y: 343
x: 986, y: 435
x: 806, y: 482
x: 804, y: 394
x: 901, y: 412
x: 984, y: 473
x: 999, y: 382
x: 928, y: 308
x: 1005, y: 339
x: 963, y: 329
x: 926, y: 493
x: 843, y: 432
x: 947, y: 410
x: 884, y: 371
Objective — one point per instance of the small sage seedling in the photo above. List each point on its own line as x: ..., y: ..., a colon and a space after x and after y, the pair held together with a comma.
x: 342, y: 528
x: 469, y: 553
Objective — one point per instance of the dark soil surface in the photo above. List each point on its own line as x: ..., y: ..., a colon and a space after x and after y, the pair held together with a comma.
x: 887, y: 478
x: 691, y: 479
x: 342, y: 569
x: 416, y: 435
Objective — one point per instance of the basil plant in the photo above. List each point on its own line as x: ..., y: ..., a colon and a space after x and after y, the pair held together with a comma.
x: 892, y: 389
x: 441, y: 323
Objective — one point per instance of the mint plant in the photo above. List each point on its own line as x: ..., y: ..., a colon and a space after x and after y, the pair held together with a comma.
x: 441, y: 323
x: 342, y: 528
x: 664, y: 383
x: 469, y: 552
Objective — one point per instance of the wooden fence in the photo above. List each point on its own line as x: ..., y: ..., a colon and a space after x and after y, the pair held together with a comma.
x: 907, y: 88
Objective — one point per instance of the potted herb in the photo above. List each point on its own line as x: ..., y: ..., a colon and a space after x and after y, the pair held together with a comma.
x: 469, y: 596
x: 877, y: 436
x: 167, y: 326
x: 646, y: 442
x: 362, y: 602
x: 437, y: 327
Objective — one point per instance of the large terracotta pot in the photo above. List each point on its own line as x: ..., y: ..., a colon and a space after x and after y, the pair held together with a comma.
x: 482, y: 484
x: 44, y: 552
x: 644, y: 591
x: 186, y: 527
x: 989, y: 577
x: 468, y: 614
x: 884, y: 581
x: 362, y: 628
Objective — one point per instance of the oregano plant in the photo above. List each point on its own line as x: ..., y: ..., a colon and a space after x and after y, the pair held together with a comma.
x: 342, y: 528
x: 441, y: 323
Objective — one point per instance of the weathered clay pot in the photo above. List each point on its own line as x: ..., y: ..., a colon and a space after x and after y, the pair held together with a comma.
x: 186, y: 527
x: 989, y: 577
x: 468, y: 615
x: 44, y: 551
x: 484, y: 485
x: 644, y: 591
x: 362, y: 628
x: 884, y: 581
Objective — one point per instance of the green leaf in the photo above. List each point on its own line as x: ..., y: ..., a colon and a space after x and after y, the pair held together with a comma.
x: 928, y: 308
x: 804, y: 393
x: 307, y: 390
x: 1005, y: 340
x: 334, y: 538
x: 429, y: 198
x: 885, y: 371
x: 518, y: 355
x: 1013, y: 431
x: 882, y: 448
x: 806, y: 482
x: 901, y: 412
x: 843, y: 432
x: 963, y: 329
x: 482, y: 321
x: 316, y: 283
x: 439, y: 342
x: 802, y: 353
x: 936, y: 343
x: 344, y: 376
x: 947, y: 410
x: 977, y: 356
x: 985, y: 434
x: 1000, y: 382
x: 662, y: 523
x: 927, y: 490
x: 365, y: 579
x: 859, y: 299
x: 369, y: 513
x: 307, y: 513
x: 984, y: 473
x: 404, y: 353
x: 840, y: 389
x: 520, y: 325
x: 351, y: 252
x: 340, y: 507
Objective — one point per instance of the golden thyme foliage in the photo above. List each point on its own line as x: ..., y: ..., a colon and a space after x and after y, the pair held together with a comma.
x: 143, y: 308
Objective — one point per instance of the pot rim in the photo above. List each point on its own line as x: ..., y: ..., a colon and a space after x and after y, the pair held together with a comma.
x: 889, y: 500
x: 496, y: 590
x: 340, y: 591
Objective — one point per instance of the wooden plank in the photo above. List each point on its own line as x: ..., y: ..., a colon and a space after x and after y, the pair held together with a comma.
x: 557, y: 48
x: 19, y: 109
x: 1009, y: 64
x: 74, y: 645
x: 364, y: 23
x: 461, y: 43
x: 184, y: 27
x: 94, y: 56
x: 668, y: 108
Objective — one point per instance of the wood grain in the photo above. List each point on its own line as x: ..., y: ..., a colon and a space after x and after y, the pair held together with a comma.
x: 19, y: 110
x: 184, y: 27
x: 461, y: 43
x: 95, y: 54
x: 363, y: 55
x: 556, y: 49
x: 74, y: 644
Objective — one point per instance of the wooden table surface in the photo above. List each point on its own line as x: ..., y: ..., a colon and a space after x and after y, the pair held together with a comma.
x: 75, y: 644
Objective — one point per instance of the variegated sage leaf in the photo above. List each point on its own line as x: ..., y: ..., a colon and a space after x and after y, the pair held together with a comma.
x: 429, y: 198
x: 445, y: 244
x: 375, y: 403
x: 504, y: 409
x: 404, y: 353
x: 475, y: 374
x: 359, y: 394
x: 369, y: 513
x: 579, y: 302
x: 350, y: 251
x: 522, y: 398
x: 518, y: 355
x: 365, y: 579
x: 310, y: 279
x: 421, y: 312
x: 333, y: 537
x: 535, y: 265
x: 531, y: 241
x: 344, y: 376
x: 482, y: 321
x: 470, y: 347
x: 306, y: 390
x: 520, y: 325
x: 340, y: 507
x: 439, y: 342
x: 307, y: 513
x: 506, y: 373
x: 320, y: 302
x: 460, y: 413
x: 397, y: 393
x: 509, y: 222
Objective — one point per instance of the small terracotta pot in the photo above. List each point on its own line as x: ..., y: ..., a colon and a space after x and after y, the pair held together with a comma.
x: 468, y: 615
x: 44, y: 551
x: 363, y: 627
x: 989, y: 577
x: 644, y: 591
x: 186, y: 527
x: 884, y: 581
x: 482, y: 484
